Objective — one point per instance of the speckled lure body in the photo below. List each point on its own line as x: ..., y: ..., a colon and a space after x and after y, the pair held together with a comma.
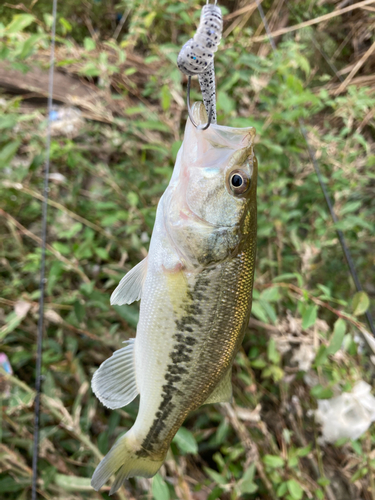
x: 195, y: 288
x: 197, y: 55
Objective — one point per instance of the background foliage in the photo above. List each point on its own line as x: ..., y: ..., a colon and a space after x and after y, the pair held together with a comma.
x: 110, y: 164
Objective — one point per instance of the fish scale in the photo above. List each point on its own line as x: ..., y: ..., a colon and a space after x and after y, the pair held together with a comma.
x: 195, y: 287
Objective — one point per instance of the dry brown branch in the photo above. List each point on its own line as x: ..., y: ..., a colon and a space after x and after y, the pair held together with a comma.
x: 38, y: 240
x: 316, y: 20
x: 67, y: 89
x: 55, y: 204
x: 252, y: 454
x: 356, y: 68
x: 359, y: 81
x: 238, y: 12
x: 321, y: 303
x: 241, y: 21
x: 61, y: 414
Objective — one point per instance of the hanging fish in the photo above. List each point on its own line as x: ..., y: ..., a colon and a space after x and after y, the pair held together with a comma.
x: 195, y: 287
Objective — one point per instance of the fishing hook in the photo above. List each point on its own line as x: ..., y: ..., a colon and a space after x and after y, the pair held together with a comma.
x: 199, y: 127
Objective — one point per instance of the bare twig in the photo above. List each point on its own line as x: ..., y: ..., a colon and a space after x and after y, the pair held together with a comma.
x: 73, y: 215
x: 251, y: 450
x: 38, y: 240
x: 121, y: 23
x: 56, y: 408
x: 356, y: 68
x: 240, y: 11
x: 311, y: 22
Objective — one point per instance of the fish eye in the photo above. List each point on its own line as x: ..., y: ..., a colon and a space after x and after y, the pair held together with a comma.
x: 239, y: 182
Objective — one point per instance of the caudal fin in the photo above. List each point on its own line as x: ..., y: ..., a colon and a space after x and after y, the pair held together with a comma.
x: 122, y: 460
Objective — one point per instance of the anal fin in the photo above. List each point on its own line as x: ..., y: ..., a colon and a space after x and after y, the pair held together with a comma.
x: 114, y: 383
x: 130, y: 287
x: 223, y: 392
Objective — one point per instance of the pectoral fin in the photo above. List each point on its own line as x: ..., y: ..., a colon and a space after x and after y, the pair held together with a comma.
x: 130, y: 287
x: 114, y: 383
x: 223, y: 391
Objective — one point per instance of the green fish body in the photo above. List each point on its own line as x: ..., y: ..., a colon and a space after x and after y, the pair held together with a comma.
x: 195, y: 287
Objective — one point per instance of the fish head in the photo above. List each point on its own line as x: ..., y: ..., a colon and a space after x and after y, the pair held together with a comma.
x: 212, y: 200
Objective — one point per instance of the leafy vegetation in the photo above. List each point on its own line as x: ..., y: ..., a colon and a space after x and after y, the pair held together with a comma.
x: 109, y: 166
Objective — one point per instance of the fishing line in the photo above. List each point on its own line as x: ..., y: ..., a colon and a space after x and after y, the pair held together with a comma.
x: 38, y: 370
x: 312, y: 155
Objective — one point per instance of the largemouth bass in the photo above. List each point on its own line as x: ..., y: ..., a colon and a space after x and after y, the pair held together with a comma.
x: 195, y: 287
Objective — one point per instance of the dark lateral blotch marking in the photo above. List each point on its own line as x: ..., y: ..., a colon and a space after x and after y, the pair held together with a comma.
x: 180, y: 356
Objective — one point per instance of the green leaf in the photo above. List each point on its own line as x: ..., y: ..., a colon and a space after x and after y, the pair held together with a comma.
x: 61, y: 247
x: 270, y: 294
x: 67, y: 27
x: 321, y: 356
x: 269, y: 309
x: 152, y: 125
x: 8, y: 151
x: 148, y: 20
x: 337, y: 337
x: 289, y: 276
x: 248, y: 486
x: 129, y: 313
x: 89, y: 44
x: 309, y: 316
x: 303, y: 452
x: 165, y: 96
x: 73, y: 483
x: 319, y: 494
x: 79, y: 310
x: 19, y: 23
x: 320, y: 392
x: 8, y: 484
x: 12, y: 322
x: 323, y: 481
x: 133, y: 199
x: 360, y: 303
x: 7, y: 121
x: 215, y: 476
x: 102, y: 253
x: 175, y: 148
x: 282, y: 489
x: 351, y: 207
x: 273, y: 461
x: 258, y: 311
x: 160, y: 489
x: 295, y: 489
x: 185, y: 441
x: 258, y: 363
x: 356, y: 445
x: 90, y: 69
x: 249, y: 473
x: 28, y: 45
x: 48, y: 19
x: 272, y: 353
x: 215, y: 493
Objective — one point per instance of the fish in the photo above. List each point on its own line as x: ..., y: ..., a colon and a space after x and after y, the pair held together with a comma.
x: 195, y: 287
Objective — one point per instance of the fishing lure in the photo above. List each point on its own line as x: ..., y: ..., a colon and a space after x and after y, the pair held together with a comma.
x: 195, y: 287
x: 197, y: 57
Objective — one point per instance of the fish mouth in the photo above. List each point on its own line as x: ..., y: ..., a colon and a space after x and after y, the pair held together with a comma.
x: 193, y: 217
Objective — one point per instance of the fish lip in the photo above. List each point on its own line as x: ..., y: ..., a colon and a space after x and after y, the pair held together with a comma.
x: 192, y: 216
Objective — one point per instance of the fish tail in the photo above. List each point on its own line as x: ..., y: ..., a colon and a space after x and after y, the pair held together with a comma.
x: 124, y: 461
